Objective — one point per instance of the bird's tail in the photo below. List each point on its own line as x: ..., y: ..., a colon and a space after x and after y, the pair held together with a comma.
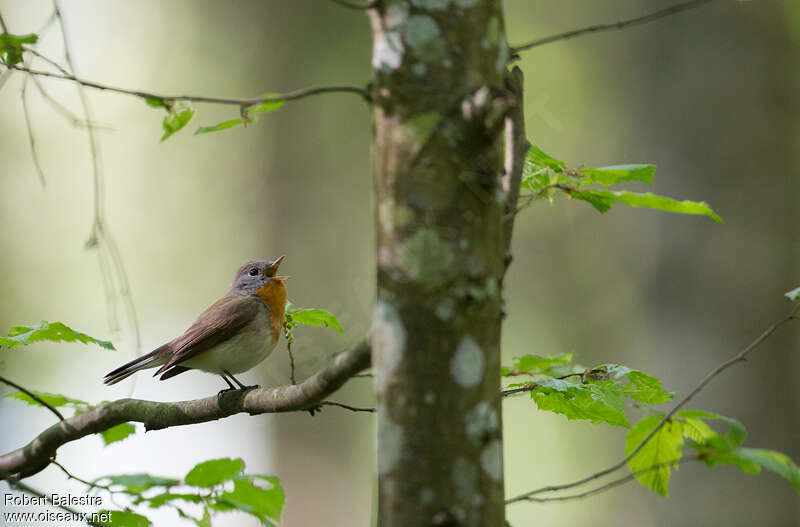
x: 155, y: 358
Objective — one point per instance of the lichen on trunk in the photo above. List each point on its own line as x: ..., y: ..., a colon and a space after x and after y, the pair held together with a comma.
x: 439, y: 106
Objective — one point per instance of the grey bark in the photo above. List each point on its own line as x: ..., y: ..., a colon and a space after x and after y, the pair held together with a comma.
x: 439, y: 107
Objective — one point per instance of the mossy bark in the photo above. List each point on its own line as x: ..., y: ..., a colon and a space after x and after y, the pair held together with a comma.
x: 439, y: 106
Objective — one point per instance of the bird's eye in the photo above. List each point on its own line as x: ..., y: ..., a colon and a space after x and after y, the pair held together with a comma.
x: 253, y: 272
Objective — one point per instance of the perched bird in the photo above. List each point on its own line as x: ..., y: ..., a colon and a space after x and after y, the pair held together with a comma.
x: 239, y: 331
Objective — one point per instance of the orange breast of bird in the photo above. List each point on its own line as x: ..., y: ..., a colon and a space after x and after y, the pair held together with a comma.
x: 274, y: 295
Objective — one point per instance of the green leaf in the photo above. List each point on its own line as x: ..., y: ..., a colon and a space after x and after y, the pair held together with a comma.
x: 595, y: 403
x: 267, y: 106
x: 217, y: 127
x: 125, y: 519
x: 651, y: 465
x: 55, y: 400
x: 754, y: 459
x: 136, y: 483
x: 178, y: 117
x: 315, y: 317
x: 603, y: 199
x: 159, y: 500
x: 117, y: 433
x: 213, y: 472
x: 793, y: 295
x: 49, y: 331
x: 11, y: 46
x: 534, y: 363
x: 263, y: 503
x: 614, y: 174
x: 537, y: 159
x: 155, y: 102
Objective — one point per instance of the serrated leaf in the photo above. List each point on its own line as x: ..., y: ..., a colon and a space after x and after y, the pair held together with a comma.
x: 617, y: 173
x: 793, y: 295
x: 178, y: 117
x: 752, y: 460
x: 55, y: 400
x: 126, y: 519
x: 117, y: 433
x: 217, y: 127
x: 651, y: 465
x: 538, y: 159
x: 315, y: 317
x: 697, y: 430
x: 49, y: 331
x: 264, y: 503
x: 136, y: 483
x: 580, y: 402
x: 215, y: 471
x: 641, y: 386
x: 603, y: 199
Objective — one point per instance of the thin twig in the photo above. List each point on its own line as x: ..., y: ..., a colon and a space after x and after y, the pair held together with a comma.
x: 17, y: 484
x: 89, y: 484
x: 29, y: 127
x: 288, y: 96
x: 691, y: 4
x: 73, y: 119
x: 739, y: 357
x: 291, y: 363
x: 352, y: 5
x: 608, y: 486
x: 346, y: 406
x: 366, y: 375
x: 34, y: 397
x: 115, y: 276
x: 3, y: 25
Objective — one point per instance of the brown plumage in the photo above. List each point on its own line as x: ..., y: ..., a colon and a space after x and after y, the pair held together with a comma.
x: 233, y: 335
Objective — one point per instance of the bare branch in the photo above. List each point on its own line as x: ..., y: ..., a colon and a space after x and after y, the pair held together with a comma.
x: 3, y: 25
x: 608, y: 486
x: 288, y: 96
x: 739, y: 357
x: 34, y: 397
x: 516, y: 147
x: 347, y: 406
x: 35, y: 456
x: 678, y: 8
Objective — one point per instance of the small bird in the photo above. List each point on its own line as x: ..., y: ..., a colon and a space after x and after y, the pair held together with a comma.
x: 239, y: 331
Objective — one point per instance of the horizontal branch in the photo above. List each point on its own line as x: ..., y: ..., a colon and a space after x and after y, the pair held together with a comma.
x: 739, y: 357
x: 289, y: 96
x: 622, y: 24
x: 36, y: 455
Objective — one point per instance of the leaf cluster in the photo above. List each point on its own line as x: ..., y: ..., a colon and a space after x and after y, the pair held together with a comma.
x: 209, y: 488
x: 596, y: 394
x: 544, y: 176
x: 180, y: 113
x: 12, y: 46
x: 653, y: 464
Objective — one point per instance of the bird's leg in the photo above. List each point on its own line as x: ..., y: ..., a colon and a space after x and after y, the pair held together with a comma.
x: 241, y: 386
x: 230, y: 387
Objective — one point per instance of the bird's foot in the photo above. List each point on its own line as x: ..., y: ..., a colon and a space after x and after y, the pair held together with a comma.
x: 226, y: 390
x: 251, y: 387
x: 315, y: 409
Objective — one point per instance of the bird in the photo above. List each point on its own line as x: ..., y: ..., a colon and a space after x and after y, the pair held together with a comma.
x: 233, y: 335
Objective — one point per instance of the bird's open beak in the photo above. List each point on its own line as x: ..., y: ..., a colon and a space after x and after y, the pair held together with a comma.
x: 272, y: 269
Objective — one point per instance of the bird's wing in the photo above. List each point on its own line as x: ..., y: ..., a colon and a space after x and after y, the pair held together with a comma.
x: 217, y: 324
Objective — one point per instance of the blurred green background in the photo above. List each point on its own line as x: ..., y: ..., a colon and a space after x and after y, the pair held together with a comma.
x: 710, y: 96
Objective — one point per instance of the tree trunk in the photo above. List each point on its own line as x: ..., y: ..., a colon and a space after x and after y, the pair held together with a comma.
x: 439, y: 104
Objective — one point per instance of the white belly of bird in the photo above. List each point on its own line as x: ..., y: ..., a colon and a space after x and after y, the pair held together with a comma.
x: 237, y: 354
